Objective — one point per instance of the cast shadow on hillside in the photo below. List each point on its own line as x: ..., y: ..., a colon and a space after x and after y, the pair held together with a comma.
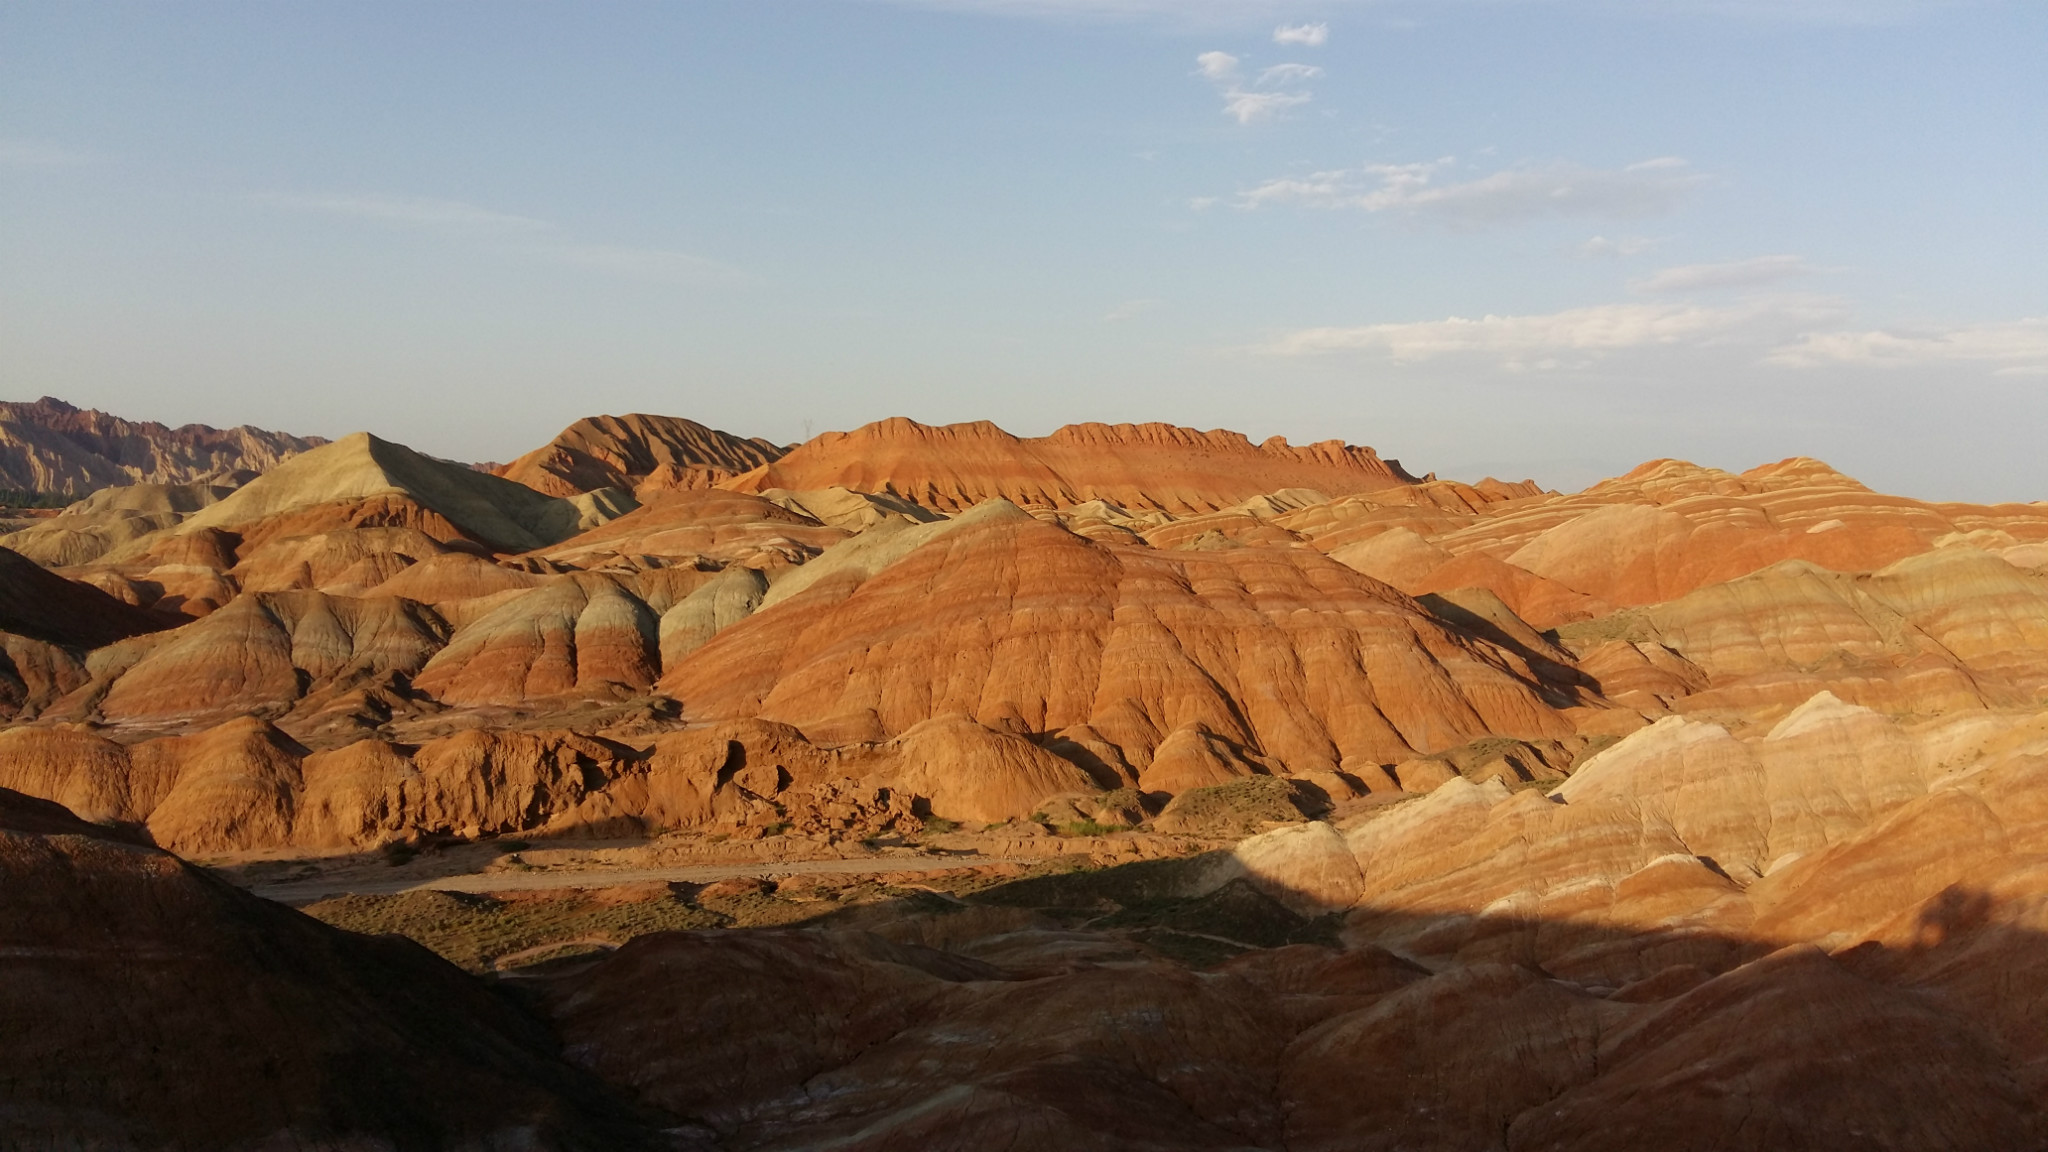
x: 1115, y: 1009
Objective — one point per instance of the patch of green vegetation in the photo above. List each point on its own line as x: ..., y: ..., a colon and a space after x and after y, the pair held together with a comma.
x: 1066, y: 884
x: 939, y: 826
x: 1197, y: 952
x: 1236, y: 912
x: 1595, y: 745
x: 473, y: 931
x: 1088, y: 828
x: 1487, y: 746
x: 16, y: 498
x: 1634, y: 625
x: 1240, y: 808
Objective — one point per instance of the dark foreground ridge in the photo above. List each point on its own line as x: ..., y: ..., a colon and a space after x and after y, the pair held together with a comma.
x: 149, y: 1005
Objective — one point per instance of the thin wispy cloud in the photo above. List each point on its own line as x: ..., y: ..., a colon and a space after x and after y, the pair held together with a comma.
x: 2014, y: 348
x: 1799, y: 332
x: 1751, y: 273
x: 1226, y: 14
x: 1130, y: 310
x: 508, y: 232
x: 1252, y: 107
x: 1306, y: 35
x: 1276, y: 89
x: 1288, y: 74
x: 1507, y: 196
x: 1568, y: 337
x: 35, y: 154
x: 417, y: 211
x: 1606, y: 248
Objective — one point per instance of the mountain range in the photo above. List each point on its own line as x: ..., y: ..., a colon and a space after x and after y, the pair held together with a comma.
x: 1133, y: 786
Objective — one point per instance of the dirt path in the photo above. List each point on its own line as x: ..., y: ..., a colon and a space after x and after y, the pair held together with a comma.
x: 307, y: 891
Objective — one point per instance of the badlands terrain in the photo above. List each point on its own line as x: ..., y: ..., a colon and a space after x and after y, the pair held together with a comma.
x: 1131, y: 787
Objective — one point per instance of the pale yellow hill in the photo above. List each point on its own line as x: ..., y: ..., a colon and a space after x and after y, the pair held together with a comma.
x: 361, y: 466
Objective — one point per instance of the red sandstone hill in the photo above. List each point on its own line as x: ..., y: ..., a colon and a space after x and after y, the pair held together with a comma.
x: 1134, y: 466
x: 1695, y: 810
x: 637, y: 451
x: 51, y: 446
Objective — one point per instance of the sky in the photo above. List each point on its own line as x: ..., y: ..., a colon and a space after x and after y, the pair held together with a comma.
x: 1521, y: 238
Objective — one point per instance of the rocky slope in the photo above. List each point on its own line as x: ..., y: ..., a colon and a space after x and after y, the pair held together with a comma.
x: 49, y: 446
x: 148, y: 1004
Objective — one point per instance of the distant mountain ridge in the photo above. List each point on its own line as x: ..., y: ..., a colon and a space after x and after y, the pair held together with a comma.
x: 49, y: 446
x: 1162, y: 467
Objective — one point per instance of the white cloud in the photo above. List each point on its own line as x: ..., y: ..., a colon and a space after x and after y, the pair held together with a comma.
x: 1311, y: 35
x: 1217, y: 66
x: 1729, y: 274
x: 1288, y: 74
x: 1270, y: 95
x: 1507, y: 196
x: 2015, y: 348
x: 34, y: 154
x: 1252, y: 107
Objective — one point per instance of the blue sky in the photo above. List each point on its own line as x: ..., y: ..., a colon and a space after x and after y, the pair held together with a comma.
x: 1516, y: 237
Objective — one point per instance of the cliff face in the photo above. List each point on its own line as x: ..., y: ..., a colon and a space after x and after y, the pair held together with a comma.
x: 50, y: 446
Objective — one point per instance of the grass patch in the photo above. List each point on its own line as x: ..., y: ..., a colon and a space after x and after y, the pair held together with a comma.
x: 1197, y: 952
x: 473, y: 931
x: 1236, y: 912
x: 1072, y: 885
x: 1238, y: 809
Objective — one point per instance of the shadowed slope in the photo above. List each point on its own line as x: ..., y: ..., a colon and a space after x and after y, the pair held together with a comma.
x: 45, y: 606
x: 148, y: 1005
